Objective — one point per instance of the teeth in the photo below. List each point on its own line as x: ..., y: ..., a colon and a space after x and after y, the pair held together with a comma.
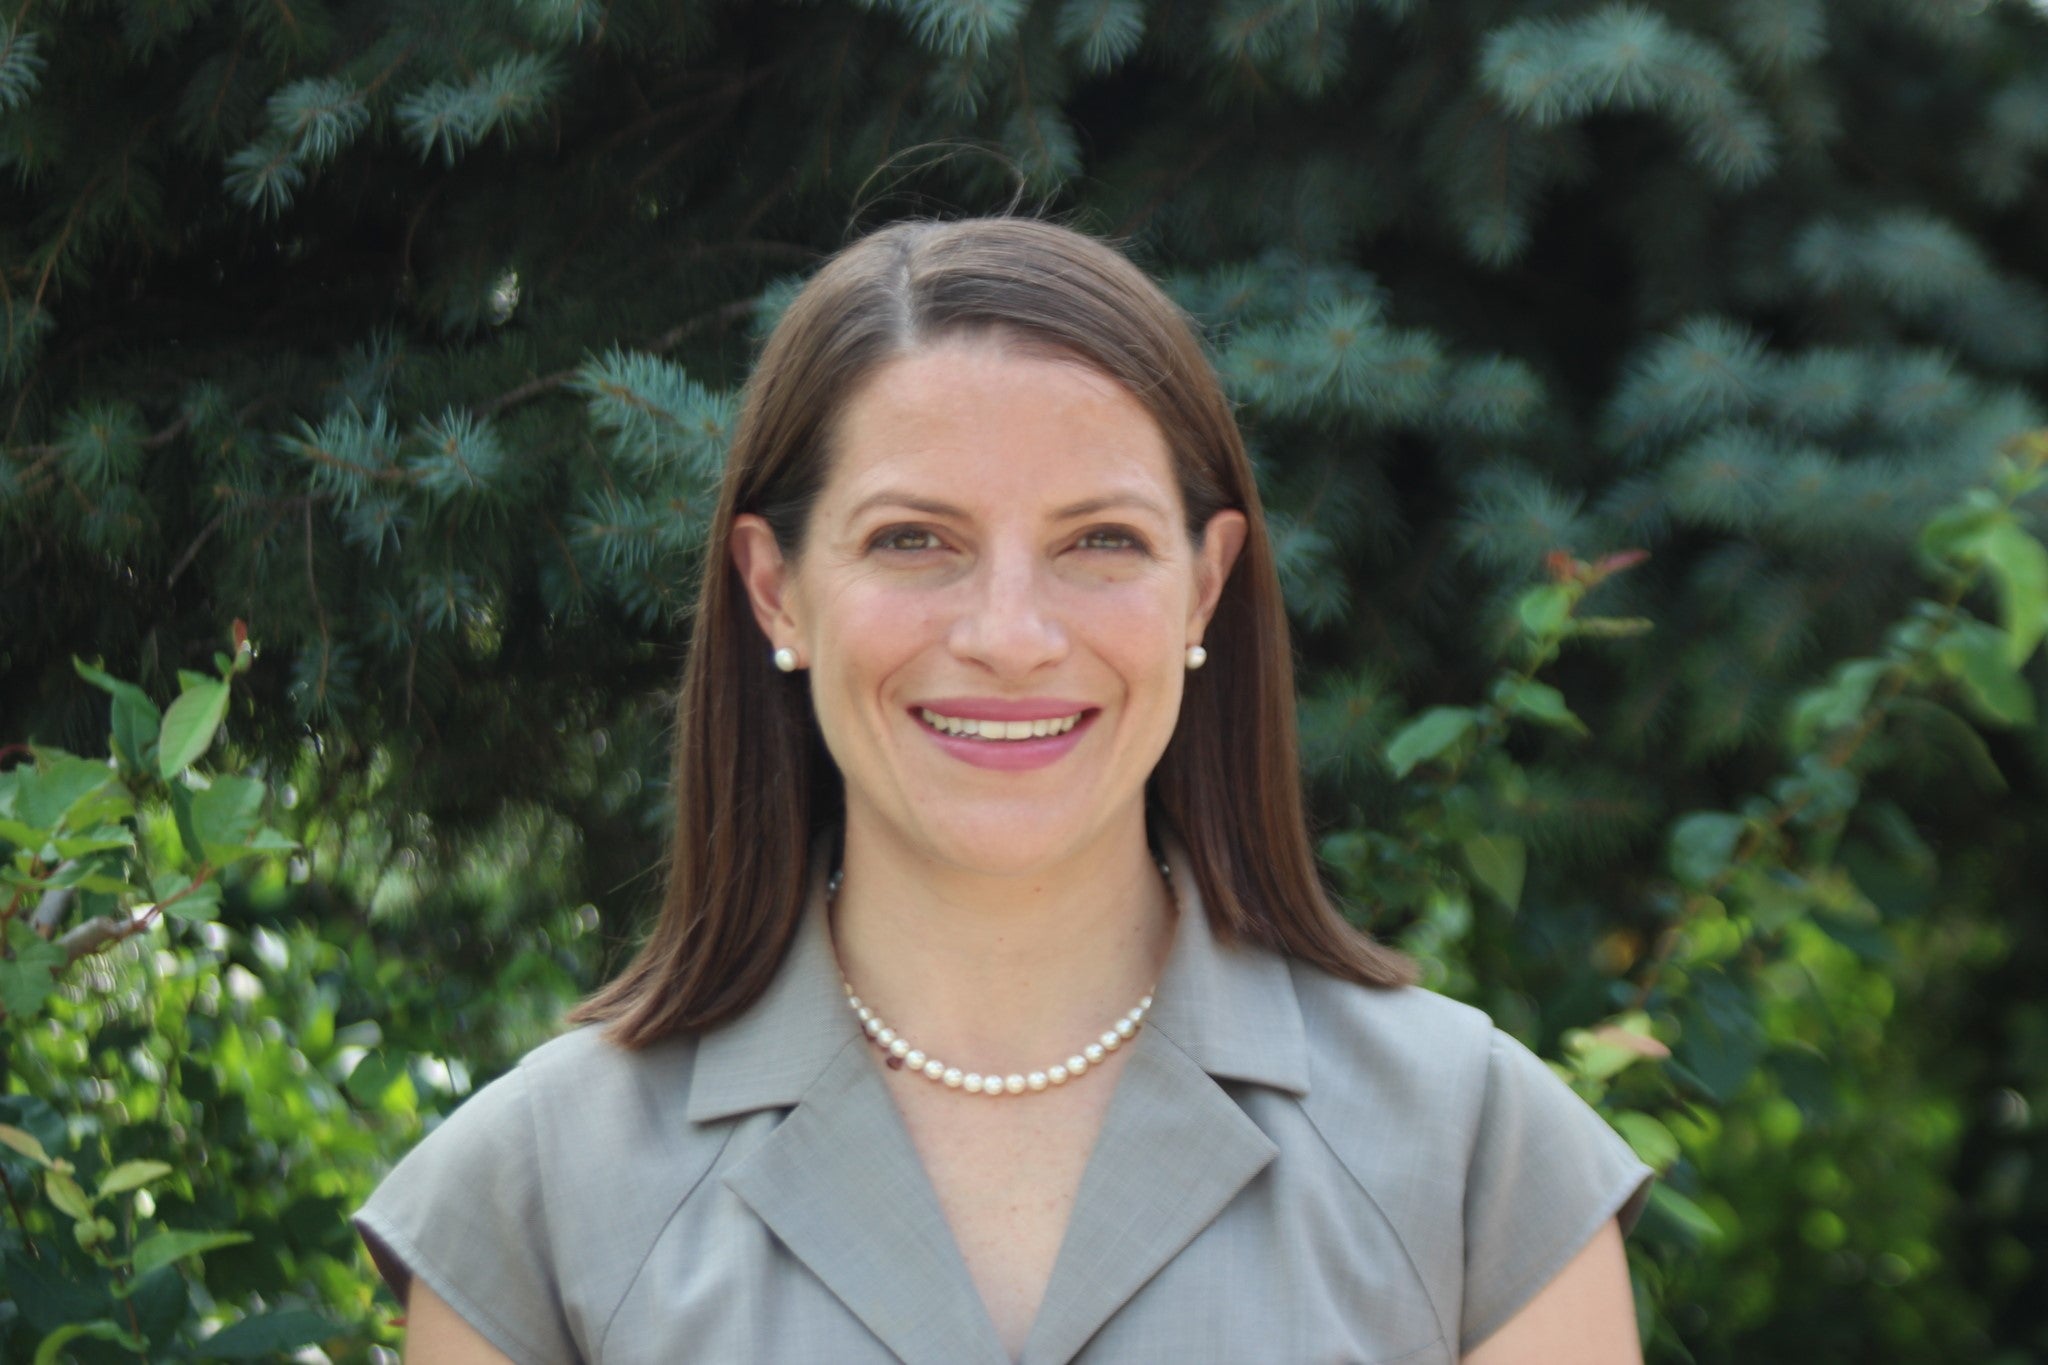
x: 999, y: 729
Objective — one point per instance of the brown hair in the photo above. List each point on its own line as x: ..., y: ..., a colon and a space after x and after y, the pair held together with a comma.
x: 752, y: 779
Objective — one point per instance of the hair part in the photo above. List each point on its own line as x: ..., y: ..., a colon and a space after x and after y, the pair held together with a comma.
x: 752, y: 779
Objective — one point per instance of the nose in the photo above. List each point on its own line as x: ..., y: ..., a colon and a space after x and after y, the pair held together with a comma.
x: 1008, y: 620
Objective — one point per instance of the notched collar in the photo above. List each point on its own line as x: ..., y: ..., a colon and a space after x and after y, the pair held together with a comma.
x: 768, y: 1056
x: 1229, y: 1007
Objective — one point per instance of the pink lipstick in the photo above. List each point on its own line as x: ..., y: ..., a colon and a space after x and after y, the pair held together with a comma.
x: 965, y: 717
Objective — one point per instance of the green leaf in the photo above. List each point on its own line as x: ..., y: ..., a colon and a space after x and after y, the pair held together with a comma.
x: 182, y: 899
x: 268, y: 840
x: 1952, y: 537
x: 135, y: 734
x: 373, y: 1077
x: 1979, y: 658
x: 190, y: 724
x: 268, y: 1336
x: 1428, y: 735
x: 41, y: 1122
x: 1958, y: 735
x: 24, y: 1143
x: 1836, y: 704
x: 136, y: 718
x: 1544, y: 610
x: 2019, y: 565
x: 48, y: 1352
x: 1500, y: 862
x: 171, y: 1245
x: 1720, y: 1038
x: 1612, y: 627
x: 1685, y: 1213
x: 181, y: 813
x: 48, y: 795
x: 65, y: 1193
x: 197, y: 906
x: 1702, y: 844
x: 1651, y: 1139
x: 132, y: 1175
x: 29, y: 978
x: 1540, y: 702
x: 92, y: 1232
x: 83, y: 844
x: 226, y: 814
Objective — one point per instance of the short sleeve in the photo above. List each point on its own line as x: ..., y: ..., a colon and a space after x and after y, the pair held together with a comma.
x: 1546, y: 1172
x: 464, y: 1212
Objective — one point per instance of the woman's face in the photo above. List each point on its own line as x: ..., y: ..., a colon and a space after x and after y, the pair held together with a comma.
x: 999, y: 542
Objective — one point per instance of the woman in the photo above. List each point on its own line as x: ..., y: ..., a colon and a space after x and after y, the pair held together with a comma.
x: 995, y: 1010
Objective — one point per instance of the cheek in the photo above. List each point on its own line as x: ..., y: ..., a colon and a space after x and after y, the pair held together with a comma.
x: 1140, y: 637
x: 1145, y: 616
x: 865, y: 631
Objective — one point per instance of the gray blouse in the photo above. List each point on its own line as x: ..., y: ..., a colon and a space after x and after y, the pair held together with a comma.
x: 1292, y: 1168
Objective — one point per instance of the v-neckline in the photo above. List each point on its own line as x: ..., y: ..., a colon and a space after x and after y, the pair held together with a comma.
x: 840, y: 1182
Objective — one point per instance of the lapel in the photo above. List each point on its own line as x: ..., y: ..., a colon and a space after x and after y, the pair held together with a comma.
x: 1175, y: 1148
x: 838, y: 1179
x: 839, y: 1182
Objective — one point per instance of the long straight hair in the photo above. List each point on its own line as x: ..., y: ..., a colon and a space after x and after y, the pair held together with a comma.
x: 753, y: 782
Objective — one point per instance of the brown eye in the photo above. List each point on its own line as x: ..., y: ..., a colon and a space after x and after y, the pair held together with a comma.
x: 907, y: 539
x: 1109, y: 538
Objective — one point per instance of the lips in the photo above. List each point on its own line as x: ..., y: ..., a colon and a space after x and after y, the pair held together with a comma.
x: 1002, y: 731
x: 1036, y: 732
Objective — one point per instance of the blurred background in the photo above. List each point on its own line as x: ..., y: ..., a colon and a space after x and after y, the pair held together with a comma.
x: 407, y: 334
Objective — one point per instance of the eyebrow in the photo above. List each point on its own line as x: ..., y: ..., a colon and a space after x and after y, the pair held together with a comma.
x: 1085, y: 508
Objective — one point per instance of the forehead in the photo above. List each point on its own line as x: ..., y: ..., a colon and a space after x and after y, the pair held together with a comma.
x: 985, y: 420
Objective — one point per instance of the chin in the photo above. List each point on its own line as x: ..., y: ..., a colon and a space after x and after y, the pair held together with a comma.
x: 1002, y: 849
x: 1004, y: 840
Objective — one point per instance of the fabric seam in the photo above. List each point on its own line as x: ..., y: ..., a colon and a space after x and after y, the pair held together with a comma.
x: 1414, y: 1269
x: 604, y: 1335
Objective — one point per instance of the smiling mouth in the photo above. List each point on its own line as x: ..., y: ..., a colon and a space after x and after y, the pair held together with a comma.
x: 1003, y: 730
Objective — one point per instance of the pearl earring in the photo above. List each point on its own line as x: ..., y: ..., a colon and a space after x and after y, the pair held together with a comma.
x: 785, y: 659
x: 1197, y: 656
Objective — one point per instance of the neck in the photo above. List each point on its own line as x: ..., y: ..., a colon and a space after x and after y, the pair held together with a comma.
x: 1001, y: 971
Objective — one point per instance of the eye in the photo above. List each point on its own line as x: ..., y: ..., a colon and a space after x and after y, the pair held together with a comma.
x: 1109, y: 538
x: 905, y: 539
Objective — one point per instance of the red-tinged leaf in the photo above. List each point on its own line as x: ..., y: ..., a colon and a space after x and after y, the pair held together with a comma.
x: 1613, y: 1035
x: 1621, y: 561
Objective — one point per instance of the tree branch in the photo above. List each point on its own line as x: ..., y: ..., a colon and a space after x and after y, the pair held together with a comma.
x: 51, y: 909
x: 102, y: 932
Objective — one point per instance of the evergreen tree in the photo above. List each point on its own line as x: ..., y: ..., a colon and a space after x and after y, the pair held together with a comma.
x: 409, y: 333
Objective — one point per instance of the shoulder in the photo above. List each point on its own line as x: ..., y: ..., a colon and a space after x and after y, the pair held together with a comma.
x: 581, y: 1133
x: 530, y: 1208
x: 596, y: 1106
x: 1402, y: 1050
x: 587, y: 1066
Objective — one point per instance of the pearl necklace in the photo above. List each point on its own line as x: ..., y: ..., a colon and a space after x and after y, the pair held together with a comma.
x: 902, y: 1054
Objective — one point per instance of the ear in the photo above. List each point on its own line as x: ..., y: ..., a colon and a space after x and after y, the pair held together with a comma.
x: 764, y: 573
x: 1222, y: 542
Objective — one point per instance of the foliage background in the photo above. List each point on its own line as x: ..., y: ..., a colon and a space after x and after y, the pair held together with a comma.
x: 408, y: 333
